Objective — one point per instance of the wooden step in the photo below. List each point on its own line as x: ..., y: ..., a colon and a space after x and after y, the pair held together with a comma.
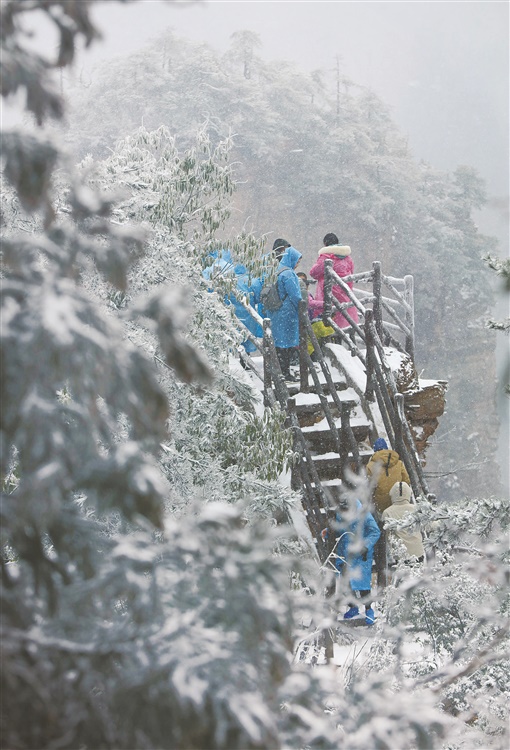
x: 319, y: 436
x: 337, y: 377
x: 328, y: 464
x: 339, y: 382
x: 309, y: 407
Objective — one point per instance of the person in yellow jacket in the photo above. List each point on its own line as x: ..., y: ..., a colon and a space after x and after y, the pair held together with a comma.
x: 386, y: 468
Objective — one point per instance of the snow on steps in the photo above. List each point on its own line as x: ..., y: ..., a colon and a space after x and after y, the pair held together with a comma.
x: 327, y: 464
x: 309, y: 407
x: 337, y: 378
x: 320, y: 438
x: 347, y: 395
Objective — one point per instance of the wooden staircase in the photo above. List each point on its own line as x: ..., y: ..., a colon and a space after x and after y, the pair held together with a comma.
x: 348, y: 397
x: 317, y: 432
x: 328, y: 462
x: 332, y: 433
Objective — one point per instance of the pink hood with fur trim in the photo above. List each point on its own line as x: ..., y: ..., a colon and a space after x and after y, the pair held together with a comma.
x: 342, y: 266
x: 342, y: 250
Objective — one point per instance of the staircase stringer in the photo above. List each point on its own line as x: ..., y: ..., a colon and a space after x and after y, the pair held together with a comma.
x: 313, y: 496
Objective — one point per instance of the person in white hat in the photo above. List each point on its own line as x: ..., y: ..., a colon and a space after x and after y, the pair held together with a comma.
x: 400, y: 495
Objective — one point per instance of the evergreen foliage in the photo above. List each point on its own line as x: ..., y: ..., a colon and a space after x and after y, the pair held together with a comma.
x: 502, y: 269
x: 458, y: 612
x: 86, y: 415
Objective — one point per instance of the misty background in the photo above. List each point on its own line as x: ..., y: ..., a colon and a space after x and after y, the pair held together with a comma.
x: 442, y: 68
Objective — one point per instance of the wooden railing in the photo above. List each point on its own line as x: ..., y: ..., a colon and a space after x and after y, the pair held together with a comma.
x: 399, y: 307
x: 371, y: 336
x: 305, y: 476
x: 276, y: 394
x: 383, y: 321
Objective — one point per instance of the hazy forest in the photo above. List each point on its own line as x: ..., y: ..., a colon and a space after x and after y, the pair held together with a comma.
x: 317, y: 153
x: 151, y: 595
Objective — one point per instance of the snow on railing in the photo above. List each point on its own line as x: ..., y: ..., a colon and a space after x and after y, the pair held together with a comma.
x: 399, y: 307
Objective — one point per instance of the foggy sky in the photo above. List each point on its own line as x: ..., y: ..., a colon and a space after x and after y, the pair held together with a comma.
x: 442, y: 67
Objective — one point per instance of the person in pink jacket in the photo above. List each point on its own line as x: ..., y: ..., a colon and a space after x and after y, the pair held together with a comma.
x: 342, y: 266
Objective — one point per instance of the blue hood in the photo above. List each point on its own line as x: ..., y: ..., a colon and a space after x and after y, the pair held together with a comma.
x: 225, y: 255
x: 290, y: 258
x: 240, y: 270
x: 222, y: 265
x: 380, y: 445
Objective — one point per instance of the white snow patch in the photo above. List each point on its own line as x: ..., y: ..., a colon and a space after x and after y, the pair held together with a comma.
x: 351, y: 364
x: 394, y: 358
x: 429, y: 383
x: 345, y: 657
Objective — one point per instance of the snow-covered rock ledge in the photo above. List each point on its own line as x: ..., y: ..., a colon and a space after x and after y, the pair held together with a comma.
x: 424, y: 400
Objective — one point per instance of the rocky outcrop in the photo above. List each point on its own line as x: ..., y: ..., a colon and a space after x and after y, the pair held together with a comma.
x: 423, y: 408
x: 424, y: 400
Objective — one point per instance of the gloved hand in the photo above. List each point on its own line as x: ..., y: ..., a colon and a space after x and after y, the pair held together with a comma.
x: 364, y: 554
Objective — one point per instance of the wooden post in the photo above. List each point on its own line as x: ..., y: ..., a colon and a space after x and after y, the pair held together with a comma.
x: 303, y: 347
x: 380, y: 559
x: 417, y: 476
x: 266, y: 345
x: 378, y: 381
x: 328, y: 644
x: 327, y: 310
x: 348, y: 441
x: 399, y: 437
x: 296, y: 481
x: 409, y: 315
x: 369, y: 356
x: 377, y: 287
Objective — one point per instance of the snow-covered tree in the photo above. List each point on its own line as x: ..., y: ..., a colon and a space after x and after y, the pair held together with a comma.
x: 455, y: 615
x: 84, y: 494
x: 221, y: 443
x: 502, y: 269
x: 137, y: 612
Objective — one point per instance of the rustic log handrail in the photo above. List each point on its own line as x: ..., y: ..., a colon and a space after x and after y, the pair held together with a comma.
x: 308, y: 471
x: 380, y: 378
x: 379, y: 302
x: 390, y: 403
x: 389, y: 391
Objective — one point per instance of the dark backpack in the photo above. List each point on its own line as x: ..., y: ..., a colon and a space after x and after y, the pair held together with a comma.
x: 270, y: 296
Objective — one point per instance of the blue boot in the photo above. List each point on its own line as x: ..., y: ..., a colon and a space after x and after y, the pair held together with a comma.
x: 352, y: 612
x: 369, y: 616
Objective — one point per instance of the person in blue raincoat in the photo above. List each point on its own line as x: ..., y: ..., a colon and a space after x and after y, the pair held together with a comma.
x: 285, y: 321
x: 222, y: 265
x: 250, y: 288
x: 360, y: 562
